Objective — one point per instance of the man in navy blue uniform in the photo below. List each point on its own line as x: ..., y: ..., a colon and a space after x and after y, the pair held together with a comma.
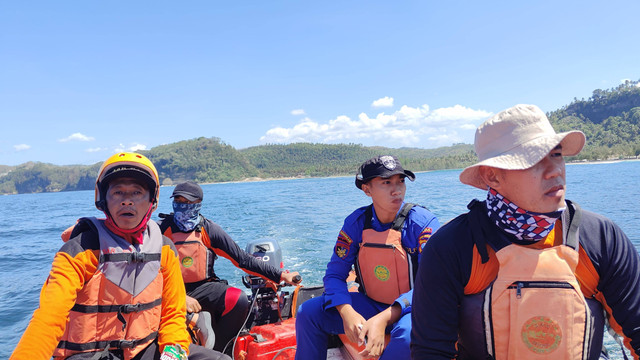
x: 384, y: 242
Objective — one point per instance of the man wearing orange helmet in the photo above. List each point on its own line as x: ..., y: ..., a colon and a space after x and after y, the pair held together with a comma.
x: 115, y: 290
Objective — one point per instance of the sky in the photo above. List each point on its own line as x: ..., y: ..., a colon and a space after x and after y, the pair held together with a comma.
x: 81, y: 80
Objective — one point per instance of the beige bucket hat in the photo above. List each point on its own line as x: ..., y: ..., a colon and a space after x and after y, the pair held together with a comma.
x: 516, y: 139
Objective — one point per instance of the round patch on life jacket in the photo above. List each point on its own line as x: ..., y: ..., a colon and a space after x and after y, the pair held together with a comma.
x: 381, y: 272
x: 187, y: 261
x: 541, y: 334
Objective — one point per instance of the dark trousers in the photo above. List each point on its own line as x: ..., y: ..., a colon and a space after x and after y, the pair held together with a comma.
x: 314, y: 325
x: 227, y: 305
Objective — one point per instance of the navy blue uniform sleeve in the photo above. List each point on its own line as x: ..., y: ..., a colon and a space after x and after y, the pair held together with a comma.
x: 443, y: 272
x: 223, y: 245
x: 617, y: 262
x: 344, y: 256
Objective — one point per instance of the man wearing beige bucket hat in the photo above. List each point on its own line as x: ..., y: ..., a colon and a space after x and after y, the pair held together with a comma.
x: 525, y: 274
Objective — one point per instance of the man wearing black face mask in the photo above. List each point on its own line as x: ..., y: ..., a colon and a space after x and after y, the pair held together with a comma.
x: 198, y: 241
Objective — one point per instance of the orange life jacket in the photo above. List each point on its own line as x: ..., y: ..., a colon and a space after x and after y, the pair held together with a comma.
x: 535, y: 308
x: 384, y: 268
x: 120, y: 306
x: 196, y: 258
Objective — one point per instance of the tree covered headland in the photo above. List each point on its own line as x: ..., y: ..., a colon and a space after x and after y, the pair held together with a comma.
x: 609, y: 118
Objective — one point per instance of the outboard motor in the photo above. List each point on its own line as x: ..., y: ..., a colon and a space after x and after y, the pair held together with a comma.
x: 265, y: 250
x: 268, y: 306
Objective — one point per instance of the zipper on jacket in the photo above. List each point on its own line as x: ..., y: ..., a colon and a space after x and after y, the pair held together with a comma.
x: 540, y: 284
x: 519, y: 285
x: 382, y: 246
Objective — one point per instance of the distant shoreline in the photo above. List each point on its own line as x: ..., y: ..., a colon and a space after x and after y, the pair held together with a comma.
x: 259, y: 179
x: 585, y: 162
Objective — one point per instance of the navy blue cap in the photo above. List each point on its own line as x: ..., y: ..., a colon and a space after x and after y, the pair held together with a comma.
x: 384, y: 166
x: 189, y: 190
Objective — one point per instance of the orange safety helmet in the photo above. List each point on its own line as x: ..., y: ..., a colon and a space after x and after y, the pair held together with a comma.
x: 127, y: 164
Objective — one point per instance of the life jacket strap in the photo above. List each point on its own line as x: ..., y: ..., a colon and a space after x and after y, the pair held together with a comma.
x: 120, y: 309
x: 571, y: 219
x: 402, y: 216
x: 126, y: 309
x: 131, y: 257
x: 481, y: 232
x: 398, y: 222
x: 368, y: 214
x: 99, y: 345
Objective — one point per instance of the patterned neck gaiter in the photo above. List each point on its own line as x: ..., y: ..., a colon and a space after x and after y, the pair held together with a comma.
x: 186, y: 216
x: 524, y: 225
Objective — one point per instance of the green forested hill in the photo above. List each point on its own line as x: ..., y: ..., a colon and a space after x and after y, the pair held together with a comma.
x: 4, y: 169
x: 211, y: 160
x: 305, y: 159
x: 35, y: 177
x: 609, y: 118
x: 201, y: 160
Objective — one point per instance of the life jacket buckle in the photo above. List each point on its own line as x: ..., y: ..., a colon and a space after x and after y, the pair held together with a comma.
x: 126, y: 344
x: 129, y: 308
x: 137, y: 257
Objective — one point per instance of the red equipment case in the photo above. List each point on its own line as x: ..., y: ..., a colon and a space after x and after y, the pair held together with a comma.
x: 266, y: 342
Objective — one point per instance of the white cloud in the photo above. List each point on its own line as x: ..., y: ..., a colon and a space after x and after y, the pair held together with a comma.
x: 383, y: 102
x: 297, y: 112
x: 77, y: 137
x: 98, y: 149
x: 468, y: 127
x: 134, y: 148
x: 409, y: 126
x: 625, y: 81
x: 21, y: 147
x: 138, y: 147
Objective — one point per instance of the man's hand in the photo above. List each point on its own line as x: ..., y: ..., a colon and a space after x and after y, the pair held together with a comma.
x: 193, y: 305
x: 373, y: 330
x: 352, y: 322
x: 291, y: 278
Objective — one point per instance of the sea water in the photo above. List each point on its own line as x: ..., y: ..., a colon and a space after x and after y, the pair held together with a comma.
x: 303, y: 215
